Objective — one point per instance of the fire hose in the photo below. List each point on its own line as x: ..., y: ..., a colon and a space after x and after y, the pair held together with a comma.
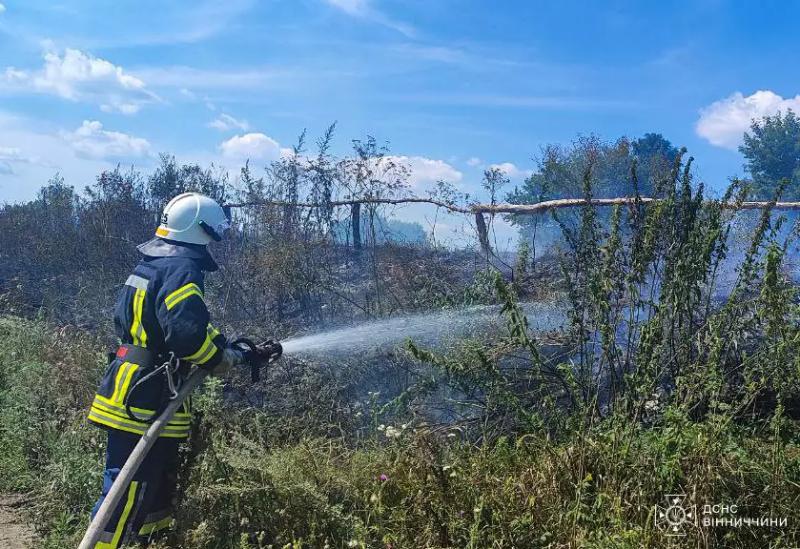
x: 254, y: 355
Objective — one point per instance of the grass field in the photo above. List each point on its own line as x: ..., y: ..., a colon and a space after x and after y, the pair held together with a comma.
x: 245, y: 485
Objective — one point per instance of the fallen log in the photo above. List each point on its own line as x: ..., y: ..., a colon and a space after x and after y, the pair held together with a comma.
x: 505, y: 208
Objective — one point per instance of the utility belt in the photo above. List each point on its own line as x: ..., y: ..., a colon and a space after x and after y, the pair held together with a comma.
x: 137, y: 386
x: 152, y: 364
x: 142, y: 356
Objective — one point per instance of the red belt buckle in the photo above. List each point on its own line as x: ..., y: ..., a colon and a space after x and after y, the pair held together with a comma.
x: 122, y: 352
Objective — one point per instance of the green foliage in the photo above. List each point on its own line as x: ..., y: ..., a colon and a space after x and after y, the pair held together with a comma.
x: 772, y: 151
x: 653, y: 146
x: 411, y: 487
x: 561, y: 174
x: 47, y: 378
x: 561, y: 169
x: 653, y: 343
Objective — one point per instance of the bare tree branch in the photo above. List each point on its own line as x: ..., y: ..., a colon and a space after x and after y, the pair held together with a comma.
x: 335, y: 203
x: 504, y: 208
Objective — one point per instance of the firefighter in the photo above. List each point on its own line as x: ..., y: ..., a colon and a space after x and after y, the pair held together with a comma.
x: 164, y: 327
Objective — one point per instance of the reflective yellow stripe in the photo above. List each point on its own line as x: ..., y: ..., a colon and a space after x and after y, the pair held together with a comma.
x: 143, y: 336
x: 212, y: 332
x: 183, y: 296
x: 181, y: 419
x: 98, y: 414
x: 202, y: 350
x: 118, y: 411
x: 109, y: 423
x: 122, y: 422
x: 126, y: 383
x: 155, y: 526
x: 94, y: 418
x: 123, y: 519
x: 182, y: 293
x: 121, y: 372
x: 204, y: 353
x: 110, y: 416
x: 136, y: 318
x: 139, y: 411
x: 137, y: 329
x: 117, y: 425
x: 123, y: 380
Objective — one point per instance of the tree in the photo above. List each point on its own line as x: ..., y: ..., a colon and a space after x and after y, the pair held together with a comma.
x: 171, y: 179
x: 655, y: 157
x: 772, y: 152
x: 370, y: 173
x: 654, y: 145
x: 164, y: 182
x: 561, y: 172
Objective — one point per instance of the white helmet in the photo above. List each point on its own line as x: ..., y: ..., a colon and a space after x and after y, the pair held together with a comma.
x: 193, y: 218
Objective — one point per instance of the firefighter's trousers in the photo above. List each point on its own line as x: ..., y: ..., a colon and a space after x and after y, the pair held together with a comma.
x: 146, y: 507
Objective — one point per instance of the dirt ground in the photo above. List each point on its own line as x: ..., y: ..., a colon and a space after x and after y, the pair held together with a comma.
x: 14, y: 533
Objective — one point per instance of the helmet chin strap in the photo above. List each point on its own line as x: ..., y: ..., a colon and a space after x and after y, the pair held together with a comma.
x: 210, y: 231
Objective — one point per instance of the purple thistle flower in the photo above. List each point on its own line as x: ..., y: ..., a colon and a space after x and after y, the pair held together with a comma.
x: 383, y: 477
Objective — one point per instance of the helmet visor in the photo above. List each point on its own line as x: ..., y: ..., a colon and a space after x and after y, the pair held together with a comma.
x: 218, y: 232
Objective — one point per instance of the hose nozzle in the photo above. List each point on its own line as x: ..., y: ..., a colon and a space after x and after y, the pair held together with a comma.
x: 258, y: 355
x: 270, y: 350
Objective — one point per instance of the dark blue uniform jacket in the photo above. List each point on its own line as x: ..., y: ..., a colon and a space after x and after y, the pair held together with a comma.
x: 161, y: 309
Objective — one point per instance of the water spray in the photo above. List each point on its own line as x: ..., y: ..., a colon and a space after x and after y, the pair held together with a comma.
x: 429, y: 329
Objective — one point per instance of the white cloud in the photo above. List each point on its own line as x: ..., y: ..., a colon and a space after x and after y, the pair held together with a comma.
x: 256, y: 146
x: 10, y: 153
x: 364, y: 10
x: 176, y: 23
x: 7, y: 156
x: 358, y: 8
x: 724, y: 122
x: 2, y: 8
x: 11, y: 156
x: 474, y: 162
x: 426, y: 171
x: 24, y: 139
x: 78, y: 76
x: 182, y: 77
x: 225, y: 122
x: 511, y: 170
x: 92, y: 141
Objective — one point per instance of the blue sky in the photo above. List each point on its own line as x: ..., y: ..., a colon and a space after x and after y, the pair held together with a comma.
x: 453, y: 85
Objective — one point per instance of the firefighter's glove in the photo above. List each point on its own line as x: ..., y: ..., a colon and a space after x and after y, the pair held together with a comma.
x: 230, y: 357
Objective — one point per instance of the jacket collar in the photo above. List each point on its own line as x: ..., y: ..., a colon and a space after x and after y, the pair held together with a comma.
x: 160, y: 247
